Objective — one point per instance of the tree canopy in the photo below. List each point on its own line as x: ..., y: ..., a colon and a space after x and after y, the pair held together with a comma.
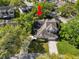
x: 15, y: 38
x: 68, y: 10
x: 70, y: 32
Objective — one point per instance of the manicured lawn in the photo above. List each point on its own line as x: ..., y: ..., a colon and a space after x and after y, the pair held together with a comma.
x: 65, y: 48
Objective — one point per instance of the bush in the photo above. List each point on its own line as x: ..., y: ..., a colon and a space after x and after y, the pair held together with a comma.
x: 65, y: 48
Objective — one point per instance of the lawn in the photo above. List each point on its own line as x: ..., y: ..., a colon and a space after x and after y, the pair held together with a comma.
x: 65, y: 48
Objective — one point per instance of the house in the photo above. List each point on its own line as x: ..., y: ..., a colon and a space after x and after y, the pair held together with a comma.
x: 73, y: 1
x: 6, y: 12
x: 46, y: 29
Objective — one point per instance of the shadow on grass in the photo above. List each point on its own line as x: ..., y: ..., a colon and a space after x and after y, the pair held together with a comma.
x: 36, y: 46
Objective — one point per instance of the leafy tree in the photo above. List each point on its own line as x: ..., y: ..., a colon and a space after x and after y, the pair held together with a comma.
x: 4, y: 2
x: 70, y: 32
x: 9, y: 40
x: 77, y: 5
x: 46, y: 9
x: 68, y: 10
x: 14, y: 39
x: 15, y: 2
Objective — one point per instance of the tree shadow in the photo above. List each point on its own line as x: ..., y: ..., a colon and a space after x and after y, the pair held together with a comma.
x: 36, y: 46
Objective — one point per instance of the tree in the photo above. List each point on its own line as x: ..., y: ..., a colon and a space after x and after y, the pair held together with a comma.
x: 70, y: 32
x: 77, y: 5
x: 4, y: 2
x: 68, y: 10
x: 47, y: 8
x: 15, y: 2
x: 9, y: 41
x: 14, y: 39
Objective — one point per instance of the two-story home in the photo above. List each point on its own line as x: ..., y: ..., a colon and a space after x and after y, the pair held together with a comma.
x: 46, y: 29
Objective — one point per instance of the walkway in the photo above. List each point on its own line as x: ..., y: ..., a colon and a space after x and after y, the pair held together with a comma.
x: 52, y: 47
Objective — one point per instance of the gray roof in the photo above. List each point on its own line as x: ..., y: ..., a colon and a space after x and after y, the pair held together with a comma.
x: 5, y: 7
x: 47, y: 31
x: 6, y: 12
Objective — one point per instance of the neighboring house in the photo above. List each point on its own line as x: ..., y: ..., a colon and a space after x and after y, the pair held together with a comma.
x: 6, y: 12
x: 54, y: 0
x: 58, y: 0
x: 46, y: 29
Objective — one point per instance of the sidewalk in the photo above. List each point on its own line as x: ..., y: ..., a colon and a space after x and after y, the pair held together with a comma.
x: 52, y: 47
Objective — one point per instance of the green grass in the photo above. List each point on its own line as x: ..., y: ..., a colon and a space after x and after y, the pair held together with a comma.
x: 65, y: 48
x: 1, y: 20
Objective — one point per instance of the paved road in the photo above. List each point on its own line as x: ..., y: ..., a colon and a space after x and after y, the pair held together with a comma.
x: 52, y: 47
